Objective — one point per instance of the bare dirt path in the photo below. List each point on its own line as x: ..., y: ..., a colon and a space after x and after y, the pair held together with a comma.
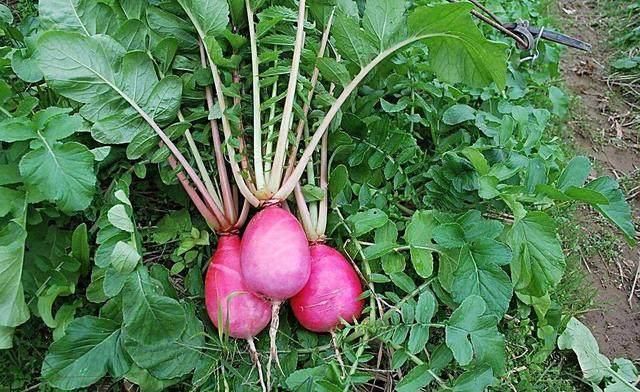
x: 596, y: 126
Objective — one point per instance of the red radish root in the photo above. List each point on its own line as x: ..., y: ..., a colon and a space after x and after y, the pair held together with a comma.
x: 228, y: 299
x: 275, y: 262
x: 274, y: 256
x: 331, y: 293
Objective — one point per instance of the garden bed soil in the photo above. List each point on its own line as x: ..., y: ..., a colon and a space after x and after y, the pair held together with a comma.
x: 596, y: 130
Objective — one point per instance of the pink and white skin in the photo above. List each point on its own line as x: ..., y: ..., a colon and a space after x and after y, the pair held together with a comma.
x: 331, y: 294
x: 275, y: 257
x: 228, y: 300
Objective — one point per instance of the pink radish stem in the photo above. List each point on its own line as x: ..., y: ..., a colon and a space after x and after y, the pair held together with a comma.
x: 195, y: 198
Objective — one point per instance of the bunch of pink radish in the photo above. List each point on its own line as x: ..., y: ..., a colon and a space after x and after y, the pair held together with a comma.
x: 277, y: 259
x: 280, y: 256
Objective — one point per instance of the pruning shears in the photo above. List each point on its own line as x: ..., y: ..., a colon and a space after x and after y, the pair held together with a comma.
x: 531, y: 34
x: 526, y: 36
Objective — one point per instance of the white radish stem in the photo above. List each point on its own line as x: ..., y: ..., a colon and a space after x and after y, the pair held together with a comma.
x: 272, y: 113
x: 257, y: 122
x: 201, y: 167
x: 311, y: 180
x: 226, y: 127
x: 244, y: 213
x: 324, y: 185
x: 244, y: 159
x: 177, y: 154
x: 225, y: 185
x: 305, y: 109
x: 287, y: 113
x: 305, y: 216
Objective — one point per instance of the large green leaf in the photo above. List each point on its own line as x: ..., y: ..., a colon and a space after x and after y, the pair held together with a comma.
x: 459, y: 52
x: 577, y: 337
x: 478, y: 228
x: 16, y: 129
x: 91, y: 347
x: 457, y: 114
x: 333, y: 71
x: 6, y: 337
x: 132, y: 34
x: 118, y: 99
x: 88, y: 17
x: 351, y: 40
x: 419, y: 333
x: 119, y: 218
x: 480, y: 273
x: 145, y: 309
x: 472, y: 332
x: 595, y: 366
x: 120, y: 127
x: 538, y: 261
x: 171, y: 359
x: 10, y: 200
x: 364, y: 222
x: 146, y: 381
x: 164, y: 101
x: 575, y: 174
x: 473, y: 262
x: 78, y: 66
x: 474, y: 380
x: 124, y: 257
x: 210, y: 17
x: 383, y: 19
x: 422, y: 375
x: 167, y: 25
x: 63, y: 173
x: 13, y: 309
x: 617, y: 210
x: 418, y: 235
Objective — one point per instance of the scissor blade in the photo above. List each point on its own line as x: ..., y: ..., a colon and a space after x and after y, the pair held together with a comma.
x: 553, y: 36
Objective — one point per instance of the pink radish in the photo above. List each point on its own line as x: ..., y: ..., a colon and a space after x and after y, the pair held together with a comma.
x: 274, y: 256
x: 228, y: 300
x: 331, y: 294
x: 275, y: 262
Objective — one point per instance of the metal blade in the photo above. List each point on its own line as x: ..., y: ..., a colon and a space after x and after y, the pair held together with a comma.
x: 560, y: 38
x: 553, y: 36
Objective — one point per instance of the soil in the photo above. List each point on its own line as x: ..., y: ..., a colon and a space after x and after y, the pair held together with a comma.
x: 596, y: 129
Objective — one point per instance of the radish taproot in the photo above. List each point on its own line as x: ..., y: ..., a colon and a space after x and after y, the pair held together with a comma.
x: 275, y: 262
x: 275, y: 257
x: 232, y: 307
x: 332, y: 293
